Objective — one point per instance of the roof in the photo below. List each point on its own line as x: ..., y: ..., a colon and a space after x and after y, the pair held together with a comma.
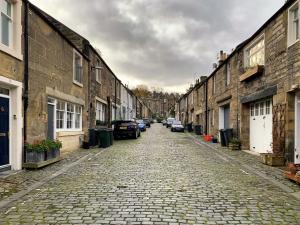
x: 247, y: 41
x: 69, y: 35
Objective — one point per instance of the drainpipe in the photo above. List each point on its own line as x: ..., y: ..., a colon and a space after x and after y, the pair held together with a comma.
x: 206, y: 107
x: 115, y: 98
x: 26, y: 68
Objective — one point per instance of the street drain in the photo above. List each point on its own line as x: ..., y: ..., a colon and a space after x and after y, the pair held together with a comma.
x: 121, y: 186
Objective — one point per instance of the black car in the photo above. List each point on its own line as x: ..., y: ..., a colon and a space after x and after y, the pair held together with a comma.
x: 147, y: 122
x: 126, y: 129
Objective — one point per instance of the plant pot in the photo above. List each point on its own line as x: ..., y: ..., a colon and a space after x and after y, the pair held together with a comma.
x: 55, y: 153
x: 234, y: 147
x: 49, y: 154
x: 35, y: 157
x: 272, y: 160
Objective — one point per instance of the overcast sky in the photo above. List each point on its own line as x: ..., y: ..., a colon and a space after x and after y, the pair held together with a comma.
x: 164, y: 43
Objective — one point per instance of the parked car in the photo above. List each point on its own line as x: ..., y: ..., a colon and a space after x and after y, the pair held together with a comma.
x: 170, y: 121
x: 126, y: 129
x: 177, y: 126
x: 164, y: 122
x: 142, y: 125
x: 147, y: 122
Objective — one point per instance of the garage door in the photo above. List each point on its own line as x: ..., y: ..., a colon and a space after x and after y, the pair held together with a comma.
x: 261, y: 126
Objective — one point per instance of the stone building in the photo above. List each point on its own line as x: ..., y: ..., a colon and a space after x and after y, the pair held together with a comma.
x: 11, y: 84
x: 58, y: 84
x: 255, y: 89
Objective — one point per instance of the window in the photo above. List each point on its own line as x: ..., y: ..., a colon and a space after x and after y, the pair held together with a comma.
x: 78, y: 113
x: 68, y: 116
x: 98, y: 72
x: 213, y: 84
x: 255, y: 54
x: 228, y: 71
x: 100, y: 111
x: 60, y: 114
x: 256, y: 109
x: 262, y: 108
x: 77, y: 70
x: 268, y: 107
x: 252, y: 110
x: 6, y: 23
x: 293, y: 26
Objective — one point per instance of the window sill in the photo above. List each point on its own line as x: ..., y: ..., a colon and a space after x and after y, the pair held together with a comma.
x: 293, y: 43
x: 77, y: 83
x: 252, y: 72
x: 11, y: 52
x: 64, y: 133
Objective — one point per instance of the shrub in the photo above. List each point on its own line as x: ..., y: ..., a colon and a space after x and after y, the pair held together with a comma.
x: 43, y: 146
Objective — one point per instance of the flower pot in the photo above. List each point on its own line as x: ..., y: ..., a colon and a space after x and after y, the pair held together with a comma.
x: 49, y: 154
x: 55, y: 152
x: 35, y: 157
x: 272, y: 160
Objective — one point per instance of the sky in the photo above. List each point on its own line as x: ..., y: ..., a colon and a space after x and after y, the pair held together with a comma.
x: 162, y: 43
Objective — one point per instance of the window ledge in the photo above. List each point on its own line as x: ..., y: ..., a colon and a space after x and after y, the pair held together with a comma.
x: 77, y: 83
x: 252, y: 72
x: 69, y: 133
x: 293, y: 43
x: 11, y: 52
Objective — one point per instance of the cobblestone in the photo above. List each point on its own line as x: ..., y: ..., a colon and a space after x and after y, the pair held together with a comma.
x: 161, y: 178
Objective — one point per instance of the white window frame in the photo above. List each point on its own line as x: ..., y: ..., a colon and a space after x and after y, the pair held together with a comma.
x: 74, y: 69
x: 15, y: 40
x: 11, y: 21
x: 228, y: 74
x: 101, y: 111
x: 291, y: 33
x: 98, y: 71
x: 65, y: 117
x: 247, y: 50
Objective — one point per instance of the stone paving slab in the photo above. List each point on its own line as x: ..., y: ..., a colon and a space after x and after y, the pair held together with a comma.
x: 254, y: 161
x: 161, y: 178
x: 12, y: 182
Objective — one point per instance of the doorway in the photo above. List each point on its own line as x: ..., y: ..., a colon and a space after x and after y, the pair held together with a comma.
x: 4, y: 131
x: 51, y: 119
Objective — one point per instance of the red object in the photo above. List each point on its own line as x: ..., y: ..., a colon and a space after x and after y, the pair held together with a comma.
x: 208, y: 138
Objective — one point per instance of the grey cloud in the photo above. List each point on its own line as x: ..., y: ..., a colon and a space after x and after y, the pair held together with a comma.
x: 163, y: 42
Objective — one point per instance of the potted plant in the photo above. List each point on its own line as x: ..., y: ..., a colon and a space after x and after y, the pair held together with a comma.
x: 54, y: 147
x: 235, y: 144
x: 36, y: 152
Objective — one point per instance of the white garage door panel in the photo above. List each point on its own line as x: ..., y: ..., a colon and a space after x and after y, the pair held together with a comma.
x: 297, y: 129
x: 261, y: 126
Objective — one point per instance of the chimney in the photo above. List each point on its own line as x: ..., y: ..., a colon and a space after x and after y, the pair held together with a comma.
x: 203, y: 78
x: 222, y: 57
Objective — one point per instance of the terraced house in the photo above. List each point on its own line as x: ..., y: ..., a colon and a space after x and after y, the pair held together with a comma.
x: 11, y: 84
x: 255, y: 89
x: 53, y: 84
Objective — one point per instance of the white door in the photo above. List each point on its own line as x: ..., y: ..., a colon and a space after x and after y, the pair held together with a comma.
x: 297, y: 129
x: 261, y: 126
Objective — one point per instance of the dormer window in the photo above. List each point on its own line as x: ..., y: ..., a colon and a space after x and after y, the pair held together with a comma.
x: 255, y: 53
x: 77, y: 69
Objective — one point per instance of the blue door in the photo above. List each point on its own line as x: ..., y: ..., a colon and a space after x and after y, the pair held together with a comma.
x: 4, y: 131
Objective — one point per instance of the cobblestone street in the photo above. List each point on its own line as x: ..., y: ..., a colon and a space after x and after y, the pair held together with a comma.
x: 161, y: 178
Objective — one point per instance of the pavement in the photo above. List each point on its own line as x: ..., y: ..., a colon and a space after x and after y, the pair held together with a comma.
x: 161, y: 178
